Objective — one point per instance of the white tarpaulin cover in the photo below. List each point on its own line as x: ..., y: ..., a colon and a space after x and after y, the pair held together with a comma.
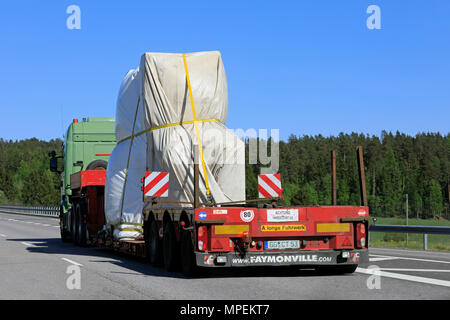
x: 165, y: 107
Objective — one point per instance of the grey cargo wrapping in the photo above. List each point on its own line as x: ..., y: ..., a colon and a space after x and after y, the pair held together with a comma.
x: 158, y: 122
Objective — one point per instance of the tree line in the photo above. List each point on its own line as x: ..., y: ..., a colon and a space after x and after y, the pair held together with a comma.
x: 25, y: 177
x: 395, y: 165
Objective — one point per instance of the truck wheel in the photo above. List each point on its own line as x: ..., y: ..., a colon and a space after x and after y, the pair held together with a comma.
x: 155, y: 249
x: 170, y: 248
x: 82, y: 228
x: 188, y: 263
x: 65, y: 235
x: 97, y: 165
x: 335, y: 270
x: 74, y: 223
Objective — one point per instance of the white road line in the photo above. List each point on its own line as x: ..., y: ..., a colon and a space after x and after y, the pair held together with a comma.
x: 414, y: 270
x: 72, y: 262
x: 404, y: 277
x: 414, y: 259
x: 2, y: 235
x: 28, y: 244
x: 381, y: 259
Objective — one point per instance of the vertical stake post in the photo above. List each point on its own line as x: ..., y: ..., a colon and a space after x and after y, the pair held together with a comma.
x: 362, y: 176
x: 196, y: 177
x: 407, y: 219
x: 333, y: 178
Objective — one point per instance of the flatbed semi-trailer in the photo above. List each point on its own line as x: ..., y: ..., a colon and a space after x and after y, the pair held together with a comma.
x: 226, y: 235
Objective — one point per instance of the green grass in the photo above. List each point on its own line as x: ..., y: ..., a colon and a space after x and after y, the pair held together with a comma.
x: 415, y: 241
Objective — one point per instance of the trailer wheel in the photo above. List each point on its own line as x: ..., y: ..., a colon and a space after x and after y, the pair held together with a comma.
x: 188, y: 263
x: 335, y: 270
x: 74, y: 223
x: 82, y: 227
x: 170, y: 248
x: 155, y: 250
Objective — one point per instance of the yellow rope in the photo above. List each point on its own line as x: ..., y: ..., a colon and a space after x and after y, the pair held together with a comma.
x: 196, y: 124
x: 128, y: 161
x: 165, y: 126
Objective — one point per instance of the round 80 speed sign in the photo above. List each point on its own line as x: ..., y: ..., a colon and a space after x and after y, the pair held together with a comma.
x: 247, y: 215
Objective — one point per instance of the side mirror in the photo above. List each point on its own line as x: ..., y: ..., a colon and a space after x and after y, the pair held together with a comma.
x: 55, y: 162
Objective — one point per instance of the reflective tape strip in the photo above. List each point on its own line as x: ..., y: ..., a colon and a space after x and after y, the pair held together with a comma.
x: 333, y: 227
x: 156, y: 184
x: 269, y: 185
x: 231, y: 229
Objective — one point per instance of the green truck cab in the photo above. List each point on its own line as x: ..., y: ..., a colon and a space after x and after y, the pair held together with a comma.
x: 87, y: 146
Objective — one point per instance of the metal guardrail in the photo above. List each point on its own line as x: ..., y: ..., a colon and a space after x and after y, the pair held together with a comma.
x: 52, y: 211
x: 425, y: 230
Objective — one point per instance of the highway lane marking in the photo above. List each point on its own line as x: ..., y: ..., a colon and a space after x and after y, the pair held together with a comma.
x: 382, y: 259
x: 413, y: 259
x: 31, y: 222
x: 72, y: 262
x: 404, y: 277
x: 414, y: 270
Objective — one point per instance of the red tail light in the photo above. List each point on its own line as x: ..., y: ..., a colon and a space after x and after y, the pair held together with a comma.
x: 361, y: 236
x: 202, y: 238
x: 245, y: 236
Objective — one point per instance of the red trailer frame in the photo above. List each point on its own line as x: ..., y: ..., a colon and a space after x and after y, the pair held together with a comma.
x: 227, y: 235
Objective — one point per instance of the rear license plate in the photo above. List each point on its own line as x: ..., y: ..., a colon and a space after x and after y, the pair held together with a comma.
x: 281, y: 244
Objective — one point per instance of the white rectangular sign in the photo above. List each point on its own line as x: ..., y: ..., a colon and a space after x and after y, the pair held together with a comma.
x: 282, y: 215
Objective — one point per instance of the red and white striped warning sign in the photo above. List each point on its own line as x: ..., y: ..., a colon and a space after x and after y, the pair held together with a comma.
x: 156, y: 184
x: 269, y: 185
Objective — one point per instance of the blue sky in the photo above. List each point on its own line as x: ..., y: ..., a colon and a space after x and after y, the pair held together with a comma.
x: 304, y: 67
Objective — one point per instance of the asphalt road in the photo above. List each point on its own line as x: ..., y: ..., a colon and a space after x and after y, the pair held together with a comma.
x: 35, y: 264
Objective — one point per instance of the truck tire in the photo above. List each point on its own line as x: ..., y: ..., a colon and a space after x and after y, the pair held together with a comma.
x: 65, y: 235
x: 155, y: 250
x: 170, y: 253
x: 336, y: 270
x: 97, y: 165
x: 188, y: 263
x: 74, y: 223
x: 82, y: 227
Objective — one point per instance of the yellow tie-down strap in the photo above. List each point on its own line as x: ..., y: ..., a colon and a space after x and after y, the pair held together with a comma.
x: 195, y: 122
x: 166, y: 126
x: 131, y: 224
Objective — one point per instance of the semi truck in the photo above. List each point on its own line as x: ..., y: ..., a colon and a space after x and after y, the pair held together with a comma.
x: 257, y: 232
x: 85, y: 153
